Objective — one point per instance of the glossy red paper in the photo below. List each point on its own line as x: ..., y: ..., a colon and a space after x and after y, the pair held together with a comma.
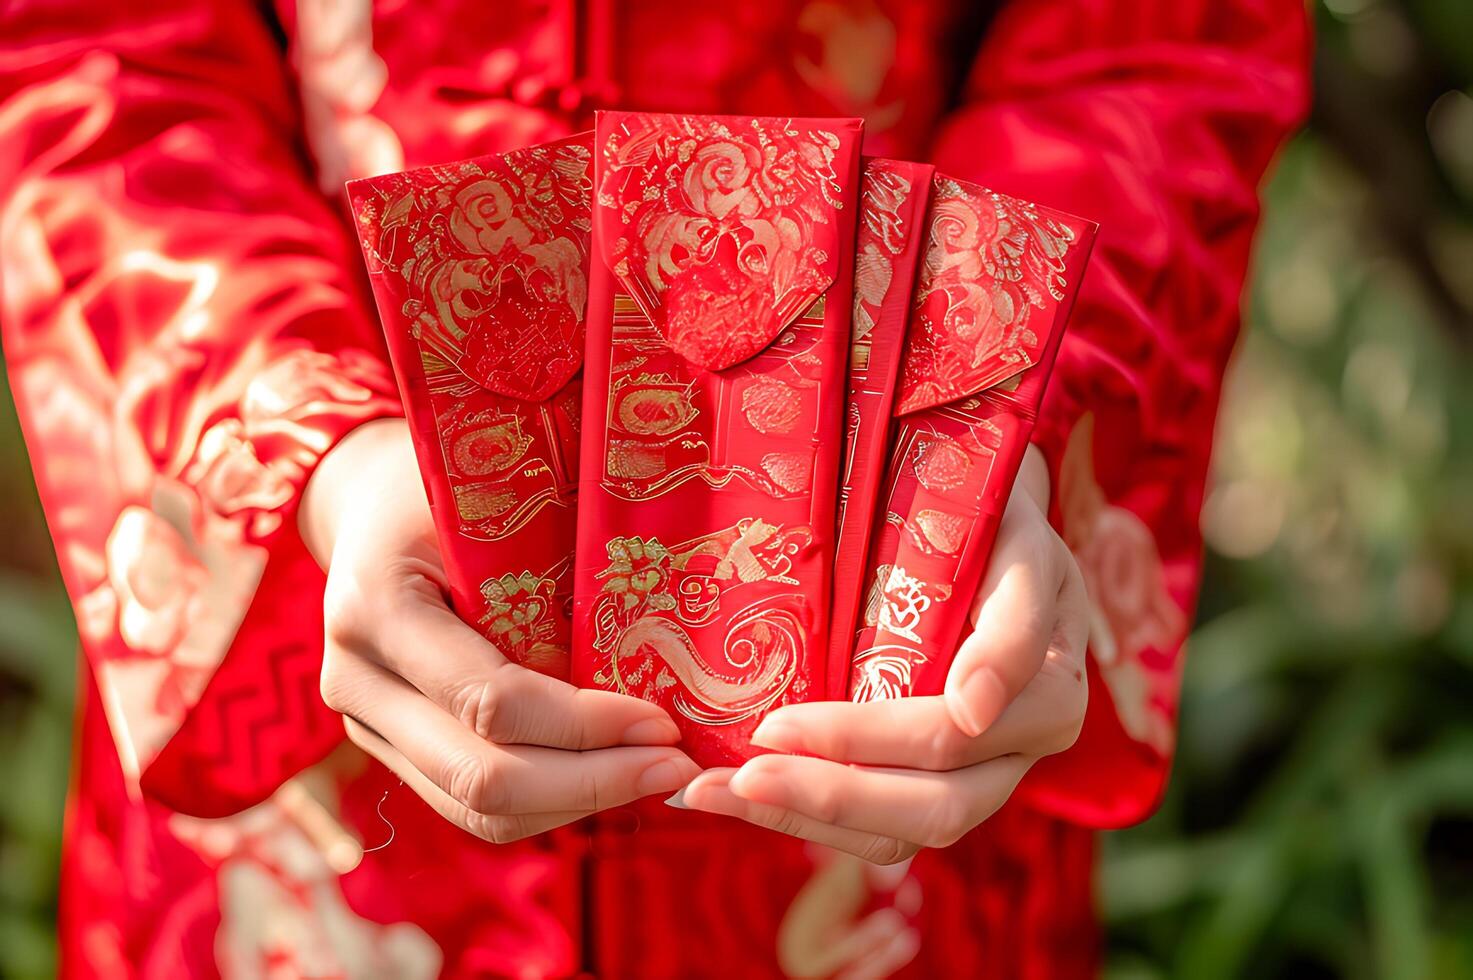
x: 888, y: 247
x: 720, y: 301
x: 995, y: 287
x: 480, y: 273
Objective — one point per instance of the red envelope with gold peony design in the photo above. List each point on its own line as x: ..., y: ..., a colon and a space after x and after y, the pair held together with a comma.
x: 995, y: 287
x: 480, y: 273
x: 892, y: 211
x: 718, y: 327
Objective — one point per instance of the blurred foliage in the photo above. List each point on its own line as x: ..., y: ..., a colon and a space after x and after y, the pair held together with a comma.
x: 38, y: 651
x: 1320, y: 819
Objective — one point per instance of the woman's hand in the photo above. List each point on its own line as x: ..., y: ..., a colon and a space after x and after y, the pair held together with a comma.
x: 894, y: 776
x: 502, y: 751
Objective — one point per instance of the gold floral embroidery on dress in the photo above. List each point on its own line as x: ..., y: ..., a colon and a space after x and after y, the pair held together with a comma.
x: 1134, y: 621
x: 991, y: 263
x: 653, y: 596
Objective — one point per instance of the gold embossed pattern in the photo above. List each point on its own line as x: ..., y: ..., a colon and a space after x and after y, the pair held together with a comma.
x: 992, y: 263
x: 721, y: 230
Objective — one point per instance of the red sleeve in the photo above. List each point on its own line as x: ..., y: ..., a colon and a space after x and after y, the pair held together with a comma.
x: 1156, y: 118
x: 184, y: 341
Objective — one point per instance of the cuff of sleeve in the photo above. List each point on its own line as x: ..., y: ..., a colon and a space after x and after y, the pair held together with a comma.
x: 260, y: 718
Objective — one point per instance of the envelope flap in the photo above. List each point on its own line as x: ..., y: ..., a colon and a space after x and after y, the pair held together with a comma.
x: 494, y: 257
x: 989, y: 288
x: 723, y: 229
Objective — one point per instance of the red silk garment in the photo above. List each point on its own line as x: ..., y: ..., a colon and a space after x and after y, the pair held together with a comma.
x: 480, y: 270
x: 987, y: 318
x: 718, y: 320
x: 892, y: 209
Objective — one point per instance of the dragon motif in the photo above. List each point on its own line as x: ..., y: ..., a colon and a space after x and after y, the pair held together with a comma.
x: 656, y: 602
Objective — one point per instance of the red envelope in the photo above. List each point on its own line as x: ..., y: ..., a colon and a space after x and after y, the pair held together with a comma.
x: 480, y: 273
x: 996, y: 284
x: 719, y: 309
x: 892, y: 210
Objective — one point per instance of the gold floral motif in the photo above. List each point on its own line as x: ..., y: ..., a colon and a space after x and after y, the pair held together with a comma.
x: 480, y: 503
x: 722, y: 236
x: 791, y: 471
x: 991, y: 262
x: 655, y: 408
x: 942, y: 531
x: 517, y: 619
x: 1134, y: 620
x: 940, y: 464
x: 490, y: 448
x: 771, y: 407
x: 629, y: 460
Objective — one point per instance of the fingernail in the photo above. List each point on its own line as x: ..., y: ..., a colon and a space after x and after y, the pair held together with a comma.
x: 974, y: 706
x: 664, y: 776
x: 651, y: 731
x: 773, y: 734
x: 677, y: 800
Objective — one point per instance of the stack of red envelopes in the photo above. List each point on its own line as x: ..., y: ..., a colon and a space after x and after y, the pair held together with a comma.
x: 807, y: 382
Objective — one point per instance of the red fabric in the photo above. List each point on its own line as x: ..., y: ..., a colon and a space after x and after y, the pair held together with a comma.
x: 1157, y: 120
x: 714, y: 390
x: 186, y: 333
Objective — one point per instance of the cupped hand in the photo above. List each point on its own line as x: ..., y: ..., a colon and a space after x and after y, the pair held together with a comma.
x: 498, y: 749
x: 886, y: 778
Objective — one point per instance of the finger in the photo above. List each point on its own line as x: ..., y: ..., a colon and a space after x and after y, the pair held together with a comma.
x: 1013, y: 622
x: 887, y: 960
x: 933, y: 809
x: 711, y: 793
x: 452, y: 665
x: 867, y: 939
x: 920, y: 733
x: 824, y: 929
x: 497, y: 829
x: 508, y: 779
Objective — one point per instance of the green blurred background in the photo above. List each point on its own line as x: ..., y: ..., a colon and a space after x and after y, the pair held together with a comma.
x: 1320, y: 819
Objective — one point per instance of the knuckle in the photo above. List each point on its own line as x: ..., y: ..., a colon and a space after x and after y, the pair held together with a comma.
x: 477, y: 705
x: 789, y: 823
x: 506, y: 830
x: 946, y: 749
x: 342, y: 614
x: 474, y: 782
x: 886, y: 851
x: 334, y: 687
x: 825, y: 805
x: 946, y: 824
x: 1067, y: 735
